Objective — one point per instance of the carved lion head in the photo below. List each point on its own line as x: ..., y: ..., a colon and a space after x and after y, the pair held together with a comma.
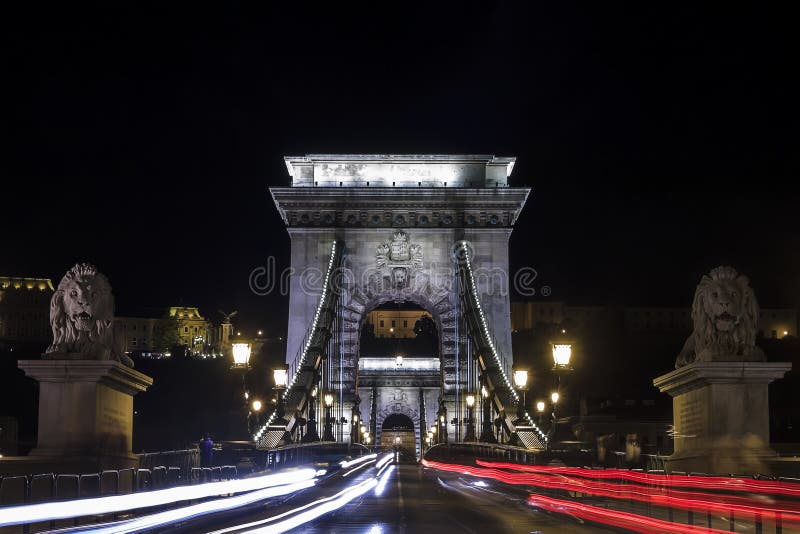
x: 82, y: 313
x: 725, y: 315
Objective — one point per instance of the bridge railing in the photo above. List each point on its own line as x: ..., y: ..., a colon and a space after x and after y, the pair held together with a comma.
x: 49, y: 487
x: 307, y: 361
x: 185, y: 459
x: 322, y: 452
x: 470, y: 451
x: 490, y: 360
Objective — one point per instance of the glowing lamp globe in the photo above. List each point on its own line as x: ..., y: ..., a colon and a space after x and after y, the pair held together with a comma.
x: 540, y: 406
x: 241, y: 354
x: 281, y: 377
x: 470, y: 400
x: 521, y: 378
x: 562, y: 352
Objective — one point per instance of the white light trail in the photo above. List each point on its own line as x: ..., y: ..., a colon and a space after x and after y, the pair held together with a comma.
x: 33, y: 513
x: 321, y: 507
x: 353, y: 470
x: 383, y: 461
x: 347, y: 463
x: 384, y: 467
x: 379, y: 489
x: 196, y: 510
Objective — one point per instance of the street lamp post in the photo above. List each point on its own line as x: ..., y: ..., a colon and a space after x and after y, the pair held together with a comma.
x: 554, y: 396
x: 328, y: 434
x: 487, y: 436
x: 521, y: 381
x: 280, y: 376
x: 241, y: 363
x: 540, y: 405
x: 365, y: 435
x: 255, y: 408
x: 355, y: 419
x: 562, y: 355
x: 470, y: 436
x: 311, y: 435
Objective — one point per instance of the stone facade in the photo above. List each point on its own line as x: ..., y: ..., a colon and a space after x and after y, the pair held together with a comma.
x: 399, y: 218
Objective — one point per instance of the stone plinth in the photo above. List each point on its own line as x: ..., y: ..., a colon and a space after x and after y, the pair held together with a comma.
x: 85, y: 414
x: 721, y: 415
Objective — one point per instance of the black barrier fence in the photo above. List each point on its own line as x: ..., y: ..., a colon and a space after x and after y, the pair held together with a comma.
x: 185, y: 459
x: 321, y: 453
x: 49, y: 487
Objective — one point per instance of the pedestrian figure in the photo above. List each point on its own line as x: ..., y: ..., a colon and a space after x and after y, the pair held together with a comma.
x: 206, y: 451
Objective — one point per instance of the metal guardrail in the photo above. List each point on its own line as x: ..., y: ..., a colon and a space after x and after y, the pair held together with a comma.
x: 185, y: 459
x: 48, y: 487
x: 452, y: 451
x: 319, y: 452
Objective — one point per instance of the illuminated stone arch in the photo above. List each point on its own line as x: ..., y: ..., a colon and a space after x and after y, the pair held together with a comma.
x: 437, y: 300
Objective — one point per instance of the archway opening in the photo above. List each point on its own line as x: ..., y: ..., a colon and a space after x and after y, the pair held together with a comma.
x: 399, y: 329
x: 397, y: 432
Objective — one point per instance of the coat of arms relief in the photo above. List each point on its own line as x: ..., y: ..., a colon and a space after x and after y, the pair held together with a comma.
x: 400, y: 258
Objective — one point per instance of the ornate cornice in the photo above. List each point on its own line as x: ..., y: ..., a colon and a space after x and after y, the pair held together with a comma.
x: 399, y: 207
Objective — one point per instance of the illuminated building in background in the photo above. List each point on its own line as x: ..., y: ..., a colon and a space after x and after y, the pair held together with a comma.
x: 193, y: 329
x: 153, y: 332
x: 773, y: 322
x: 138, y: 335
x: 395, y: 323
x: 25, y: 312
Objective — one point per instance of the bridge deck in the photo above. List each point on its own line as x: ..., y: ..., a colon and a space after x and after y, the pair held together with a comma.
x: 417, y: 500
x: 413, y: 500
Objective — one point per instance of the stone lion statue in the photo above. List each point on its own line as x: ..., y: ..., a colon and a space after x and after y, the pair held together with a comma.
x: 82, y: 317
x: 725, y: 317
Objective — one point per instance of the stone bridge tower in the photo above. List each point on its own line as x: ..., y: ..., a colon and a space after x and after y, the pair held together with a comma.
x: 398, y: 218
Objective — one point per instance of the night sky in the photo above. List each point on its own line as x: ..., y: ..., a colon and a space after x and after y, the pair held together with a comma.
x: 659, y: 142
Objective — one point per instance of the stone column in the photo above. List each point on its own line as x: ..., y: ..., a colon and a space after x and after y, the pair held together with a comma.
x: 721, y: 415
x: 85, y: 414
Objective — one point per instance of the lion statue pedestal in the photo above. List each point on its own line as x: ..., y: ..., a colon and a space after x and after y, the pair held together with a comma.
x: 719, y: 389
x: 720, y: 412
x: 85, y: 414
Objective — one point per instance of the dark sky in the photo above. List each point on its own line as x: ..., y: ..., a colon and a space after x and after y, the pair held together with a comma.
x: 659, y: 142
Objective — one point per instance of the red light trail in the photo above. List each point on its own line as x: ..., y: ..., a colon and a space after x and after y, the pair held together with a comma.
x: 785, y: 512
x: 715, y: 483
